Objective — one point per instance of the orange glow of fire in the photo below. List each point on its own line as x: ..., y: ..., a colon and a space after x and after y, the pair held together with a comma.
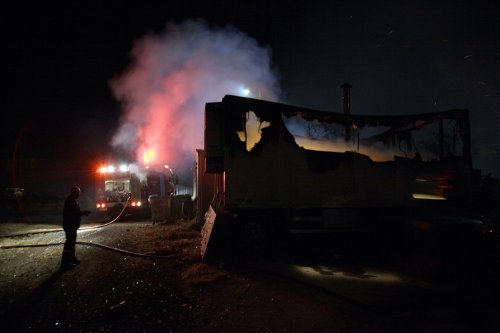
x: 149, y: 156
x: 341, y: 147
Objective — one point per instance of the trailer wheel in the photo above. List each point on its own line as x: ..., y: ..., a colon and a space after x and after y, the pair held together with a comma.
x: 448, y: 250
x: 253, y: 234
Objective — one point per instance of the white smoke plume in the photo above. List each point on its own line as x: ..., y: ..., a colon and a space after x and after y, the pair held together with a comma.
x: 171, y: 77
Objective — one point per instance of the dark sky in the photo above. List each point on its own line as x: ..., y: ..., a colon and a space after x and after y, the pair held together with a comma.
x: 401, y: 57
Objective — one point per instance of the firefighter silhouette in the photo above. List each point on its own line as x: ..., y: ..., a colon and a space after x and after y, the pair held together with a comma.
x: 71, y: 222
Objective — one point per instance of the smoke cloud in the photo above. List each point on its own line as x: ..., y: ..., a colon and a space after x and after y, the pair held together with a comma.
x: 170, y: 78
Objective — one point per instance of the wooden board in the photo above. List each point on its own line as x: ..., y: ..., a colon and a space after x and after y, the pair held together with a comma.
x: 206, y: 231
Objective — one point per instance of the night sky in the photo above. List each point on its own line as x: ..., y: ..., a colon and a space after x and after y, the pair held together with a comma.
x: 401, y: 57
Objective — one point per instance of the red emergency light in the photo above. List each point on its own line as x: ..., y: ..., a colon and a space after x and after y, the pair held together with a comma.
x: 112, y: 168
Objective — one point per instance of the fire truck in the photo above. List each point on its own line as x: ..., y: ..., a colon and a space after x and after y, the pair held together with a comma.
x: 128, y: 186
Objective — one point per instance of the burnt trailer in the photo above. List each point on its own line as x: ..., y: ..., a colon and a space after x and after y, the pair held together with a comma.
x: 269, y: 168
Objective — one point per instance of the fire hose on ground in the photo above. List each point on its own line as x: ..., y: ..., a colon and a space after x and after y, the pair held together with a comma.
x: 135, y: 254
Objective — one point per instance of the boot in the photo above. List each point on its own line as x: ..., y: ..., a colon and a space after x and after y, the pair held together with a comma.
x: 68, y: 259
x: 75, y: 260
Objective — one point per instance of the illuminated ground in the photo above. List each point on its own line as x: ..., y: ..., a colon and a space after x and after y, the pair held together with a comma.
x: 115, y: 292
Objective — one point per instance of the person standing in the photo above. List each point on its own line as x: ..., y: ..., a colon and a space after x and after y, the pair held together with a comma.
x: 71, y: 223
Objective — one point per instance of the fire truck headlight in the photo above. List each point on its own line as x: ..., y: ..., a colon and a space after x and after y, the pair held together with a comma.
x: 138, y: 203
x: 123, y: 168
x: 111, y: 168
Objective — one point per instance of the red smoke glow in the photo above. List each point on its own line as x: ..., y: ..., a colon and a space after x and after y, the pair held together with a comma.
x: 172, y: 76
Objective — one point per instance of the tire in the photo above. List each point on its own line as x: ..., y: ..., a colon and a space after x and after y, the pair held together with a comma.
x: 253, y: 235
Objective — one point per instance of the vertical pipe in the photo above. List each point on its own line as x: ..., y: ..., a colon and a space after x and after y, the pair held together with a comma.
x: 441, y: 139
x: 346, y: 88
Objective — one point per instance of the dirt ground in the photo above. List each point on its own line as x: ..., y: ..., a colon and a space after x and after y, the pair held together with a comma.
x: 168, y: 288
x: 116, y: 292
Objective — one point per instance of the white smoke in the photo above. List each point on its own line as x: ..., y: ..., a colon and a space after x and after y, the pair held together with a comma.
x: 171, y: 77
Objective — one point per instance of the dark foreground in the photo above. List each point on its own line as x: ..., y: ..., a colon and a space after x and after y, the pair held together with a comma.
x: 342, y: 287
